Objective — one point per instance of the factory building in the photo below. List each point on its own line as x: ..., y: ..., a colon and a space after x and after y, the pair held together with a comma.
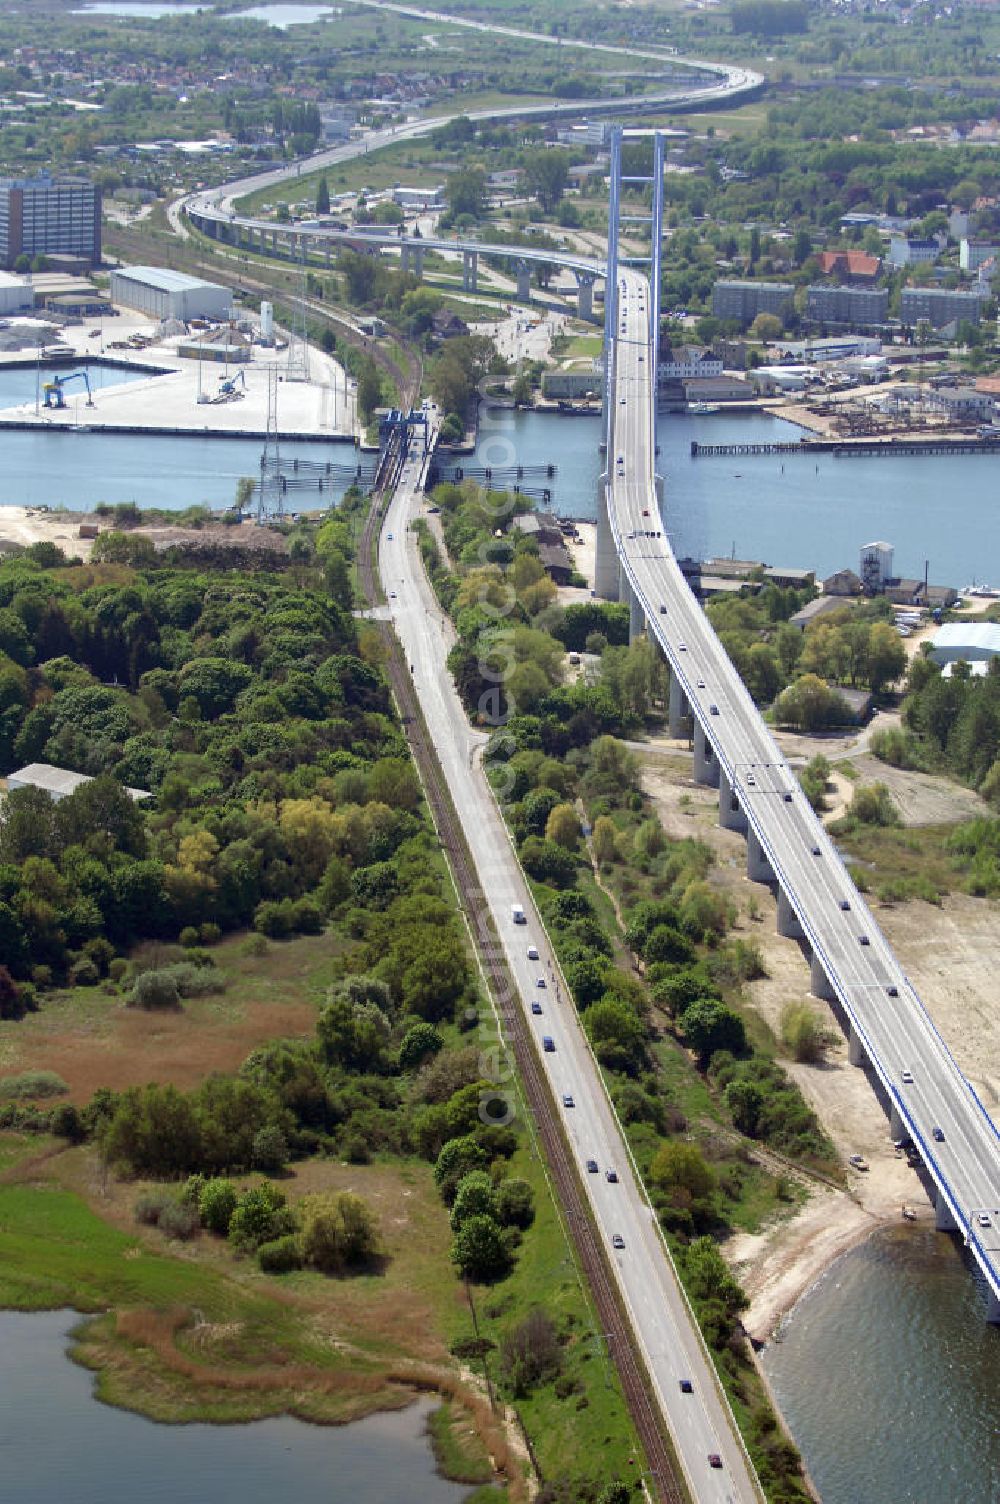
x: 164, y: 294
x: 968, y: 641
x: 16, y: 294
x: 48, y: 215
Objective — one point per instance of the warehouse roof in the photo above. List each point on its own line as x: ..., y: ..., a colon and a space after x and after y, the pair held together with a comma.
x: 57, y: 782
x: 979, y: 636
x: 163, y: 278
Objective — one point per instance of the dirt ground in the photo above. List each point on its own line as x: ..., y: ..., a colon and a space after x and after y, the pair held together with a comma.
x: 24, y: 525
x: 951, y: 953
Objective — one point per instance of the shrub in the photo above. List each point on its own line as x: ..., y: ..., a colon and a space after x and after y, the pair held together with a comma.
x: 150, y: 1204
x: 803, y: 1033
x: 216, y: 1204
x: 209, y: 934
x: 281, y: 1255
x: 84, y: 973
x: 355, y: 1150
x: 338, y: 1232
x: 155, y: 989
x: 189, y: 936
x: 179, y: 1220
x: 118, y: 969
x: 260, y: 1216
x: 65, y: 1122
x: 32, y: 1084
x: 530, y: 1353
x: 515, y: 1202
x: 270, y: 1149
x: 254, y: 945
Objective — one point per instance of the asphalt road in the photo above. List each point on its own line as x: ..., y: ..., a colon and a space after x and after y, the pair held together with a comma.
x: 893, y: 1026
x: 700, y: 1422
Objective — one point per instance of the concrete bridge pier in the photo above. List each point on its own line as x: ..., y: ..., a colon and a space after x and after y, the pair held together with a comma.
x: 274, y: 242
x: 585, y: 294
x: 855, y: 1049
x: 636, y: 615
x: 731, y: 816
x: 944, y: 1221
x: 897, y: 1128
x: 759, y: 869
x: 470, y: 271
x: 819, y: 982
x: 523, y: 281
x: 678, y: 709
x: 706, y: 764
x: 788, y: 920
x: 607, y: 569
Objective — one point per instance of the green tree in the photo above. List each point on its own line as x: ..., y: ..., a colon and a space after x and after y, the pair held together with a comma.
x: 563, y: 827
x: 369, y: 389
x: 479, y: 1250
x: 618, y: 1036
x: 678, y: 1165
x: 322, y: 195
x: 708, y: 1025
x: 466, y: 192
x: 474, y: 1197
x: 546, y: 171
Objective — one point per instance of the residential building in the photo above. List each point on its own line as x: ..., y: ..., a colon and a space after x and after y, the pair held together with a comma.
x: 856, y: 307
x: 938, y: 306
x: 972, y: 253
x: 165, y: 294
x: 44, y: 215
x: 743, y: 301
x: 849, y: 266
x: 907, y: 250
x: 687, y: 361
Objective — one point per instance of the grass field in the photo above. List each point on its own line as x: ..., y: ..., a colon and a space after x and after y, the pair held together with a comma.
x: 91, y: 1038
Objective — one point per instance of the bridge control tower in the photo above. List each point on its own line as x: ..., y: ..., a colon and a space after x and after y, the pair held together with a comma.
x: 609, y: 581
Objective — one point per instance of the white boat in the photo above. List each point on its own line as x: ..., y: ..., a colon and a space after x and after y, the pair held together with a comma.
x: 703, y: 407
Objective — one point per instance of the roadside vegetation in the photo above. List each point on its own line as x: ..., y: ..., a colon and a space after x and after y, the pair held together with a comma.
x: 360, y: 1165
x: 646, y: 945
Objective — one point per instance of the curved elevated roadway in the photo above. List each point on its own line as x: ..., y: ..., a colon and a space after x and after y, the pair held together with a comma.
x: 929, y: 1100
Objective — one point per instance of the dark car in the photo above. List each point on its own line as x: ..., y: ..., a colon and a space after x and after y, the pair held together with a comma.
x: 611, y: 1175
x: 714, y: 1460
x: 844, y: 904
x: 536, y: 1007
x: 591, y: 1166
x: 687, y: 1387
x: 938, y: 1133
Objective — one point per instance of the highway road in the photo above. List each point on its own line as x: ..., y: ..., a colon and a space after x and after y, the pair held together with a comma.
x: 955, y: 1136
x: 700, y: 1421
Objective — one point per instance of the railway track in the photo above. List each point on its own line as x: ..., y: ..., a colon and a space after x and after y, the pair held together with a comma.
x: 646, y: 1418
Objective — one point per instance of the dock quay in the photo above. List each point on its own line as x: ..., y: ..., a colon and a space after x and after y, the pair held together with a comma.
x: 176, y: 431
x: 851, y: 448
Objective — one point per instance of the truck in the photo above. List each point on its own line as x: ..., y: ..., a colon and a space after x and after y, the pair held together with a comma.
x: 517, y: 913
